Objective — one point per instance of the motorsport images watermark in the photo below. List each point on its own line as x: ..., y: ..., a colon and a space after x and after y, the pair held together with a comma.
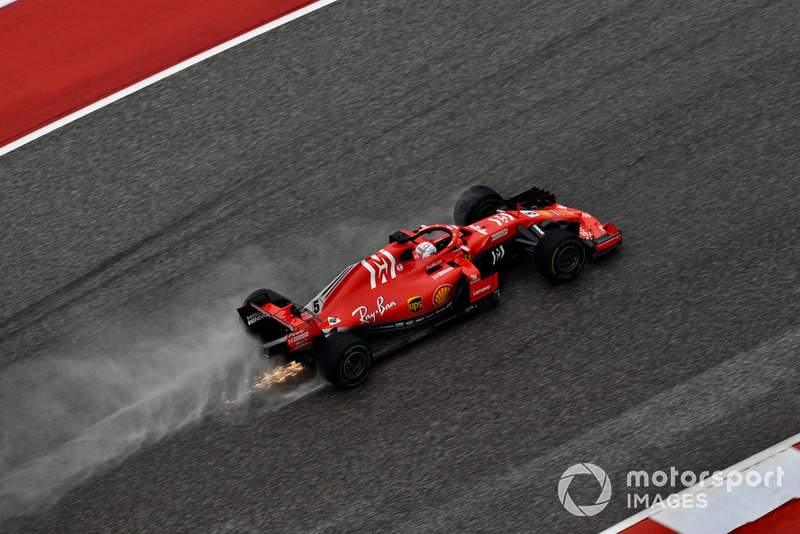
x: 638, y: 498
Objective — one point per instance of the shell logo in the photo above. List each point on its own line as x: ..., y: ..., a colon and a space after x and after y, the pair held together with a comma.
x: 442, y: 295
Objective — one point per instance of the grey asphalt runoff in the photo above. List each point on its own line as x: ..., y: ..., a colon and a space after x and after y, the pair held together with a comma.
x: 130, y: 236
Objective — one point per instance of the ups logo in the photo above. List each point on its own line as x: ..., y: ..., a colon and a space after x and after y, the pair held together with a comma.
x: 415, y: 304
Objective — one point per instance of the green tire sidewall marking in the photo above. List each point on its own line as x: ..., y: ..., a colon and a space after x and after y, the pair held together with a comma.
x: 367, y: 364
x: 486, y: 202
x: 555, y: 255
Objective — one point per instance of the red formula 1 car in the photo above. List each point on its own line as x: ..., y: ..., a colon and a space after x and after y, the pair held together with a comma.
x: 424, y: 278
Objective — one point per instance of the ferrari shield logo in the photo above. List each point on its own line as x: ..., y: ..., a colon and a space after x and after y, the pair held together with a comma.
x: 442, y: 295
x: 415, y: 304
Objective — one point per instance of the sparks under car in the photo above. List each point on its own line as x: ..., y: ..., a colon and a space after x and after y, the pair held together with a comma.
x: 424, y: 278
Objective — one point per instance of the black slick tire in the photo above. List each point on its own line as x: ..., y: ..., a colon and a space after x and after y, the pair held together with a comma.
x: 476, y: 203
x: 345, y: 360
x: 560, y: 255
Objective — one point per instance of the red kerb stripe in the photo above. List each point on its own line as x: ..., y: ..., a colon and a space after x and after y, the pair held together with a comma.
x: 58, y: 56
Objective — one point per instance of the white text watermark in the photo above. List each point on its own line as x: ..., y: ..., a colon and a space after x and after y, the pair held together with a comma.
x: 644, y: 488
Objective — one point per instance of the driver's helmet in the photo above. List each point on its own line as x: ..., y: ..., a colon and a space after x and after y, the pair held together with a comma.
x: 425, y: 249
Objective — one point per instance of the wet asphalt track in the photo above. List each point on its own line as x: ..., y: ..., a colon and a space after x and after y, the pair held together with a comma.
x: 297, y: 152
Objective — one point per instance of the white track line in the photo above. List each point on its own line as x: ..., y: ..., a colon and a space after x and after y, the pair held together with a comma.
x: 161, y: 75
x: 741, y: 466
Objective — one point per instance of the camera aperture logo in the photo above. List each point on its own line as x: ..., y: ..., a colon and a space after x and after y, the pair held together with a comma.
x: 589, y: 509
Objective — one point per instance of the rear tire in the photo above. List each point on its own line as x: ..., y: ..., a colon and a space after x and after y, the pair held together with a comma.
x: 263, y: 296
x: 345, y: 361
x: 476, y: 203
x: 560, y: 255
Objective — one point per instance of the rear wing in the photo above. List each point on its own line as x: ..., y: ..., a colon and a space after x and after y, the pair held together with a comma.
x: 276, y: 325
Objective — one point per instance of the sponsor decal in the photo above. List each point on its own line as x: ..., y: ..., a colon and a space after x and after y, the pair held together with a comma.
x: 479, y: 229
x: 399, y: 266
x: 497, y: 254
x: 415, y: 304
x: 474, y: 277
x: 484, y: 289
x: 413, y: 322
x: 501, y: 218
x: 296, y: 336
x: 441, y: 273
x: 433, y: 264
x: 254, y: 318
x: 334, y: 320
x: 545, y: 213
x: 538, y: 231
x: 500, y: 234
x: 366, y: 317
x: 442, y: 295
x: 584, y: 233
x: 381, y: 269
x: 299, y: 339
x: 530, y: 213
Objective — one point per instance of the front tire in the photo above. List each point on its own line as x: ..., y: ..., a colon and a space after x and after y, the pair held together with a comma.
x: 560, y: 255
x: 346, y: 360
x: 476, y: 203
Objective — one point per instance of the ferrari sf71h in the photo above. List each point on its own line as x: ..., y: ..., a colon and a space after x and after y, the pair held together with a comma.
x: 424, y: 278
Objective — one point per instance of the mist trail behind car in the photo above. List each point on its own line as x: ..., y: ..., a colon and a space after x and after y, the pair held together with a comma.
x: 68, y: 415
